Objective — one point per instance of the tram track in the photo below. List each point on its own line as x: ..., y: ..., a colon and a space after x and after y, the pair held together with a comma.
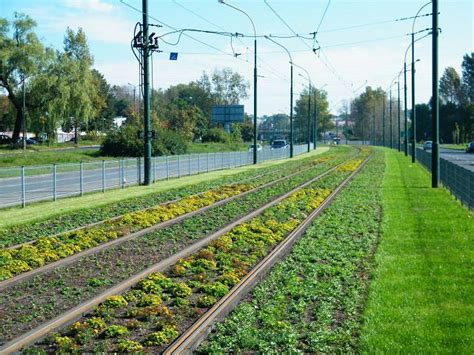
x: 86, y: 306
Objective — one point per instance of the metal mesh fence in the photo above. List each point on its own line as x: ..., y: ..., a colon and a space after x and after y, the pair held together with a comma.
x: 23, y: 185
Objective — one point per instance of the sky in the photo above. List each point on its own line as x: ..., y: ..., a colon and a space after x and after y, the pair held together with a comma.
x: 362, y: 43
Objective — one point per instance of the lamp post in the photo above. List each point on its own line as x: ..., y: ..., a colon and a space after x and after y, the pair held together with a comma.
x: 413, y: 157
x: 291, y: 94
x: 435, y: 104
x: 398, y: 114
x: 254, y: 79
x: 134, y: 98
x: 309, y: 101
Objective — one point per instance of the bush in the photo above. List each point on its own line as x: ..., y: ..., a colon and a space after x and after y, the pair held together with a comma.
x: 125, y: 142
x: 216, y: 135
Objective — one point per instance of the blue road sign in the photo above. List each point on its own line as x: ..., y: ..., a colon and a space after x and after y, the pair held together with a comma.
x: 173, y: 56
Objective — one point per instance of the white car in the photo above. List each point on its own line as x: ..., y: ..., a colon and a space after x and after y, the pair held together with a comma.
x: 259, y: 148
x: 279, y: 144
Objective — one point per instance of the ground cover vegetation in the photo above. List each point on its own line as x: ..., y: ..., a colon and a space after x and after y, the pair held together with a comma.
x: 311, y: 301
x: 57, y: 224
x: 34, y: 301
x: 162, y: 305
x: 44, y: 250
x: 421, y: 294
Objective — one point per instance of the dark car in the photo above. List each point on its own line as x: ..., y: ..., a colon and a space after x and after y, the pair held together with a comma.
x: 279, y: 144
x: 4, y: 139
x: 29, y: 141
x: 428, y: 145
x: 470, y: 147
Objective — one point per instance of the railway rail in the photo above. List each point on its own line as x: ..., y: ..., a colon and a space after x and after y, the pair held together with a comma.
x: 85, y: 307
x: 192, y: 338
x: 91, y: 251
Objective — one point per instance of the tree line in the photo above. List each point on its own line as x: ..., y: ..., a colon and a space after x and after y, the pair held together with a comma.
x: 456, y: 110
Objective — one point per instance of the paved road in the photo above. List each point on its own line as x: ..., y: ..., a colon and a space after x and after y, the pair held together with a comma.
x: 458, y: 157
x: 41, y: 183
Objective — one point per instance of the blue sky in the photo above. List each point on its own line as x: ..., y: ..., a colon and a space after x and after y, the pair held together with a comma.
x: 354, y: 49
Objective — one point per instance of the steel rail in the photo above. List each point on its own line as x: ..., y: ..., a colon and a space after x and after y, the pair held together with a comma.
x: 77, y: 312
x: 194, y: 335
x: 111, y: 219
x: 114, y: 242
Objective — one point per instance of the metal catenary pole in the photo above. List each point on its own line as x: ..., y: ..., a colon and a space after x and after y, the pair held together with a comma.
x: 413, y: 107
x: 309, y: 118
x: 406, y: 107
x: 146, y: 96
x: 315, y: 127
x: 435, y: 169
x: 391, y: 123
x: 399, y: 122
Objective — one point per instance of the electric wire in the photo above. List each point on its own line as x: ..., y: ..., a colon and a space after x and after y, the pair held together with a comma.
x: 320, y: 23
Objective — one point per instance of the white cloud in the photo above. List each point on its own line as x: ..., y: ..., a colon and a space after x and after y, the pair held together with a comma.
x: 89, y: 5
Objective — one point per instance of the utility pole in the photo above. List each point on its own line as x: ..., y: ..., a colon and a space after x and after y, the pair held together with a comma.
x: 435, y: 105
x: 413, y: 107
x: 24, y: 114
x: 398, y: 112
x: 315, y: 122
x: 309, y: 117
x: 383, y: 121
x: 406, y: 107
x: 146, y: 95
x: 391, y: 124
x: 347, y: 128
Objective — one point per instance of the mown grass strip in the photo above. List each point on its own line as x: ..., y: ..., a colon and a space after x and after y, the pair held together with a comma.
x: 422, y: 295
x: 311, y: 301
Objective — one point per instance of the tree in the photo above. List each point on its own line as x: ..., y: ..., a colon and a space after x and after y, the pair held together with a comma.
x: 450, y: 86
x: 468, y: 76
x: 22, y: 56
x: 300, y: 123
x: 225, y: 86
x: 83, y: 92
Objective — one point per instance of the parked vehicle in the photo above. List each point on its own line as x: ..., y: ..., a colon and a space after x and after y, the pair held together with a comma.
x: 29, y: 141
x: 279, y: 144
x: 259, y: 148
x: 428, y: 145
x: 4, y: 139
x: 470, y: 147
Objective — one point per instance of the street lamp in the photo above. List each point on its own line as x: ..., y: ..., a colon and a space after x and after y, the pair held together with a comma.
x: 254, y: 79
x: 309, y: 102
x: 435, y: 96
x: 134, y: 98
x: 291, y: 93
x: 413, y: 157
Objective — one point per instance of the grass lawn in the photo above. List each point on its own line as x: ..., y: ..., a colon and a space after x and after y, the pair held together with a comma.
x: 42, y: 210
x: 46, y: 157
x: 216, y: 147
x: 421, y: 299
x: 454, y: 146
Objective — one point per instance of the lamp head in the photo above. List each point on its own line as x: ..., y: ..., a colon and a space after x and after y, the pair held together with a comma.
x: 221, y: 1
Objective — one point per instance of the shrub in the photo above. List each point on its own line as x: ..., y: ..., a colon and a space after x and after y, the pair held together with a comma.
x: 216, y: 135
x: 125, y: 142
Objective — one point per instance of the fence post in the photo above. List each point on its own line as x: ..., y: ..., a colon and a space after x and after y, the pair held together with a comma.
x: 139, y: 171
x: 122, y: 173
x: 54, y: 182
x: 222, y: 160
x: 167, y: 168
x: 189, y: 164
x: 23, y: 191
x: 81, y: 174
x: 215, y: 161
x: 103, y: 175
x: 179, y: 167
x: 199, y: 163
x: 207, y: 162
x: 154, y: 169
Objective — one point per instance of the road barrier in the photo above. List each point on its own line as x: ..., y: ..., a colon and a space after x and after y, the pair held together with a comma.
x: 27, y: 184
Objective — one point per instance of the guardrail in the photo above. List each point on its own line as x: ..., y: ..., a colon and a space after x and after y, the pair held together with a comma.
x: 23, y: 185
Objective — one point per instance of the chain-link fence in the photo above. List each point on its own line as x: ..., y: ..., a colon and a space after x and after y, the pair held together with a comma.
x: 22, y: 185
x: 458, y: 180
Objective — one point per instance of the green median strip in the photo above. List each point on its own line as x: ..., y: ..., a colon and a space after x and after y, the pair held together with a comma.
x: 422, y: 295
